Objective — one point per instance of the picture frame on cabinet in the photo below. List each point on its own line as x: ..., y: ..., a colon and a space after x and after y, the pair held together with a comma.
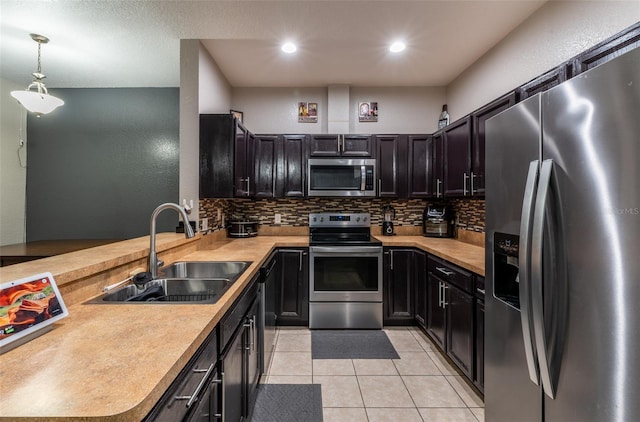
x: 237, y: 114
x: 307, y: 112
x: 368, y: 111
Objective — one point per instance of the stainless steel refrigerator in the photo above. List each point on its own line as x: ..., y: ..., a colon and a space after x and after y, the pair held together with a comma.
x: 563, y: 251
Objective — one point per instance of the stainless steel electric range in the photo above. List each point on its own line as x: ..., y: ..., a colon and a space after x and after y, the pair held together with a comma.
x: 345, y: 272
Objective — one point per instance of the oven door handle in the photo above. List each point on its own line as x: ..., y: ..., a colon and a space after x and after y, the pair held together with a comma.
x: 334, y: 250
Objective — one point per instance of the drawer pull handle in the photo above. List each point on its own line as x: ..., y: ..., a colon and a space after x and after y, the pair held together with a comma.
x: 480, y: 291
x: 194, y: 396
x: 445, y: 272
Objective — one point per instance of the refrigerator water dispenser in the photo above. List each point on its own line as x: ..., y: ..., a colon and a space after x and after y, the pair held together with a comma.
x: 506, y: 286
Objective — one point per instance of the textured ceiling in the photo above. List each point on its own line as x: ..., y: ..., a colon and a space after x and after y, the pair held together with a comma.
x: 136, y: 43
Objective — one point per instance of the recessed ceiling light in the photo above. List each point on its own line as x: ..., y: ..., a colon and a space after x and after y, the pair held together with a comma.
x: 397, y: 47
x: 289, y: 47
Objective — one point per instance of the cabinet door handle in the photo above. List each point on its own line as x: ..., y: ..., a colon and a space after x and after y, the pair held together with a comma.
x: 379, y: 186
x: 444, y: 295
x: 473, y: 176
x: 249, y: 325
x: 438, y: 184
x: 391, y: 256
x: 253, y: 333
x: 218, y: 381
x: 445, y: 272
x: 248, y: 185
x: 300, y: 261
x: 224, y: 395
x: 464, y: 184
x: 439, y: 294
x: 194, y: 396
x: 273, y: 186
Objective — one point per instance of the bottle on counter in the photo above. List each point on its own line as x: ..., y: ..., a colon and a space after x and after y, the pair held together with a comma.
x: 443, y: 120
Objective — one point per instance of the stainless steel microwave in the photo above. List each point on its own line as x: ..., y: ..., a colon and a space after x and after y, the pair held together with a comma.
x: 341, y: 177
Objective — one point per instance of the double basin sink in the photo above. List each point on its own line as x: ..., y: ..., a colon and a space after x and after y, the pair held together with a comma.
x: 193, y: 282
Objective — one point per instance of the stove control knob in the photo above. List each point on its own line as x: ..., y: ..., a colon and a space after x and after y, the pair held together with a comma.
x: 364, y: 219
x: 358, y: 219
x: 321, y: 219
x: 315, y: 219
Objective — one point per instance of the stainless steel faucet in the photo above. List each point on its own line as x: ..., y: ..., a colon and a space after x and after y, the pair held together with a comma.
x: 188, y: 233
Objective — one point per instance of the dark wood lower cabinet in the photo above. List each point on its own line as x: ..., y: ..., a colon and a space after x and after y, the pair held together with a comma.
x: 398, y: 286
x: 436, y: 315
x: 292, y: 304
x: 420, y: 287
x: 450, y: 319
x: 459, y: 307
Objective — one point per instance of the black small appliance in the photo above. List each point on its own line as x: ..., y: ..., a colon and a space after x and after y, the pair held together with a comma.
x: 437, y: 221
x: 387, y: 224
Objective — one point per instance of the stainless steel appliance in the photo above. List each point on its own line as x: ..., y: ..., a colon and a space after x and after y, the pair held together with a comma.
x: 345, y: 272
x: 387, y: 224
x: 437, y: 221
x: 267, y: 320
x: 563, y: 234
x: 341, y: 177
x: 238, y: 229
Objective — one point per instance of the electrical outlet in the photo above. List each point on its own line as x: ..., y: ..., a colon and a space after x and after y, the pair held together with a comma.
x: 277, y: 219
x: 204, y: 224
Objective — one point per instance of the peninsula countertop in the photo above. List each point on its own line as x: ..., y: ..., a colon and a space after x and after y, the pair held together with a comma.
x: 114, y: 361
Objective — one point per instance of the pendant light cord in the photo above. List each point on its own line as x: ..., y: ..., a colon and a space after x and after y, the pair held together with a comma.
x: 21, y: 139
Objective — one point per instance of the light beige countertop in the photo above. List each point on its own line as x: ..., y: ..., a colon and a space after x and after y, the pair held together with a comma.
x: 467, y: 256
x: 114, y: 362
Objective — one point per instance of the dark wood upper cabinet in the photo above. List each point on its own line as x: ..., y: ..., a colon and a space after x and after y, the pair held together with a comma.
x: 357, y: 146
x: 392, y: 171
x: 266, y: 166
x: 217, y: 151
x: 437, y: 163
x: 244, y: 181
x: 420, y: 166
x: 341, y: 146
x: 292, y: 168
x: 480, y: 117
x: 544, y: 82
x: 457, y: 158
x: 324, y: 145
x: 608, y: 49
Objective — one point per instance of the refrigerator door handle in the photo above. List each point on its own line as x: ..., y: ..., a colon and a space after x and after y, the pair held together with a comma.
x: 524, y: 273
x: 537, y: 298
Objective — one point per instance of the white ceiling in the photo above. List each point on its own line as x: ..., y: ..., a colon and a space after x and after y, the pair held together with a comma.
x: 132, y: 43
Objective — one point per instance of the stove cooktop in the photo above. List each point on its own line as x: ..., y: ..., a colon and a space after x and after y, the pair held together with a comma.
x: 341, y: 229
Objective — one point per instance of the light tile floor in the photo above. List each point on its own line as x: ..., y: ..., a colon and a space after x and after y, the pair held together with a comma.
x: 420, y: 386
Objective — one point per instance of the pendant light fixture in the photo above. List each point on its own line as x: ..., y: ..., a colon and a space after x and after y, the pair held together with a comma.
x: 36, y: 98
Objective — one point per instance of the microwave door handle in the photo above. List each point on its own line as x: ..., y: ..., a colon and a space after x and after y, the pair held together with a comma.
x: 363, y: 177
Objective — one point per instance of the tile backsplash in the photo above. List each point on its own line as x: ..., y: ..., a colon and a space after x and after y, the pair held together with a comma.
x: 470, y: 213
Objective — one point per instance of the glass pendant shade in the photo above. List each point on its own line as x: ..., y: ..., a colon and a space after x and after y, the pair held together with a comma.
x: 36, y: 98
x: 37, y: 102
